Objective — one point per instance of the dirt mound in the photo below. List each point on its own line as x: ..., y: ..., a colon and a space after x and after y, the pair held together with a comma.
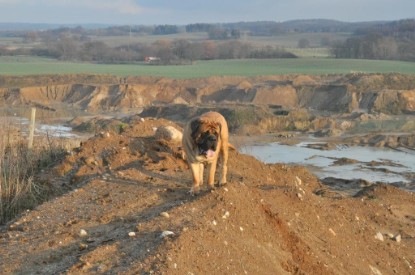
x: 127, y: 210
x: 304, y: 80
x: 244, y: 85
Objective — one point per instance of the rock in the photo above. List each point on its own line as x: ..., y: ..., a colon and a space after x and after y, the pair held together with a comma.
x: 168, y: 133
x: 397, y: 238
x: 104, y: 134
x: 83, y: 233
x: 90, y: 161
x: 379, y: 236
x: 166, y: 233
x: 375, y: 271
x: 83, y: 246
x: 165, y: 214
x: 226, y: 215
x: 131, y: 234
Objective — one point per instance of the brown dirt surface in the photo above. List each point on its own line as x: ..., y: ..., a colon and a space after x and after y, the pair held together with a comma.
x: 122, y: 191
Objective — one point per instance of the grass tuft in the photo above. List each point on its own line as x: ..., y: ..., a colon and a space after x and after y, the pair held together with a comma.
x: 19, y: 167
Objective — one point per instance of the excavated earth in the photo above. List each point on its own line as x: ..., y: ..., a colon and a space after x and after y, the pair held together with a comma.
x: 385, y: 93
x: 124, y: 208
x: 325, y: 105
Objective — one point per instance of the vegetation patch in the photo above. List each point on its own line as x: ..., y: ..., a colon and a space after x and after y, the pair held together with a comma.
x: 20, y: 186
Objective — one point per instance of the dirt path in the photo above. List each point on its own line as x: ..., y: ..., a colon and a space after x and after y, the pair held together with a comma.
x: 126, y: 189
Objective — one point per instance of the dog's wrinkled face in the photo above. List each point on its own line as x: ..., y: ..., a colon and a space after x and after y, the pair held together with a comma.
x: 206, y: 136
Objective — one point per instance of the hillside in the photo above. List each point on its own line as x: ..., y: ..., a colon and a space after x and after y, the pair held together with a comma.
x: 122, y: 191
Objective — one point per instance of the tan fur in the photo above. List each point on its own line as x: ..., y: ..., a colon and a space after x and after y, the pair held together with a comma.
x: 211, y: 121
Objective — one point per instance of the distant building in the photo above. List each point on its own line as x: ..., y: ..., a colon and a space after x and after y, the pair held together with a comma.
x: 152, y: 59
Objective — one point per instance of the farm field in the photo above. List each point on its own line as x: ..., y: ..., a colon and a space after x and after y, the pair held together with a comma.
x: 22, y: 65
x: 289, y: 40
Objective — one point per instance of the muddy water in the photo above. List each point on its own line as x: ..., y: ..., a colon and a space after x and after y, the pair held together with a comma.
x: 367, y: 163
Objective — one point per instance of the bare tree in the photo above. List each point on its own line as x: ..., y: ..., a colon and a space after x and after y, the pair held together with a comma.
x: 66, y: 48
x: 303, y: 43
x: 163, y: 50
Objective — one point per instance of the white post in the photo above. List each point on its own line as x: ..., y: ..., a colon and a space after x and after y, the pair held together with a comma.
x: 32, y: 128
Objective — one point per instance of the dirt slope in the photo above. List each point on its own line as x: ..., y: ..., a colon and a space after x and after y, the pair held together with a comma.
x: 387, y: 93
x: 268, y: 219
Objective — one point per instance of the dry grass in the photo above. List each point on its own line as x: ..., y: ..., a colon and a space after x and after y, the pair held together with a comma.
x: 19, y: 166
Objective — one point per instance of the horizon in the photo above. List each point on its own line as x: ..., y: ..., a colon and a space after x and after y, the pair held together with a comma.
x: 213, y: 23
x: 184, y: 12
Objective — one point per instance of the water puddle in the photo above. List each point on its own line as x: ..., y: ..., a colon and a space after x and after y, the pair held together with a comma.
x: 41, y: 129
x: 55, y: 131
x: 349, y: 163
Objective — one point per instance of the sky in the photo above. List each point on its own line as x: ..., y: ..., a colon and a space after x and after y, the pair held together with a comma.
x: 181, y: 12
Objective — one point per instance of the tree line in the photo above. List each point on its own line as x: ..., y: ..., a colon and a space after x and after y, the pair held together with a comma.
x: 177, y: 51
x: 390, y: 41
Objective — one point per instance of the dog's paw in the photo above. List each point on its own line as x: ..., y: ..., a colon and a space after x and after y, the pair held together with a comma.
x: 211, y: 187
x: 219, y: 184
x: 194, y: 191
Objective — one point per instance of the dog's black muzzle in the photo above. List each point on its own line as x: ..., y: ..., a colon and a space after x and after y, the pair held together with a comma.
x: 210, y: 142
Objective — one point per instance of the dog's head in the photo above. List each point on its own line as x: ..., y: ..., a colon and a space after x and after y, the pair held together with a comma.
x: 206, y: 135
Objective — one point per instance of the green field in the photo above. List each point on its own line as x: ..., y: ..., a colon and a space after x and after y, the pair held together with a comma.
x: 246, y: 67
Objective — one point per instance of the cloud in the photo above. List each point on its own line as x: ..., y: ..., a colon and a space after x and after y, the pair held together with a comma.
x: 116, y: 6
x: 193, y: 11
x: 119, y: 6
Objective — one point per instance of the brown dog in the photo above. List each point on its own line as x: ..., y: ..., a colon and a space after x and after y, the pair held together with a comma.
x: 204, y: 138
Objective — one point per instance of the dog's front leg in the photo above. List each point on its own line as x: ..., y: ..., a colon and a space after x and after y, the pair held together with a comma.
x: 224, y: 163
x: 197, y: 172
x: 212, y: 171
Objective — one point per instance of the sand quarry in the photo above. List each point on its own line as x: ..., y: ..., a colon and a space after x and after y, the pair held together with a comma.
x: 122, y: 204
x: 125, y: 208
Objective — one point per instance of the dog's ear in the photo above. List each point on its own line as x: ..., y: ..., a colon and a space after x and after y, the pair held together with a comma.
x: 194, y: 126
